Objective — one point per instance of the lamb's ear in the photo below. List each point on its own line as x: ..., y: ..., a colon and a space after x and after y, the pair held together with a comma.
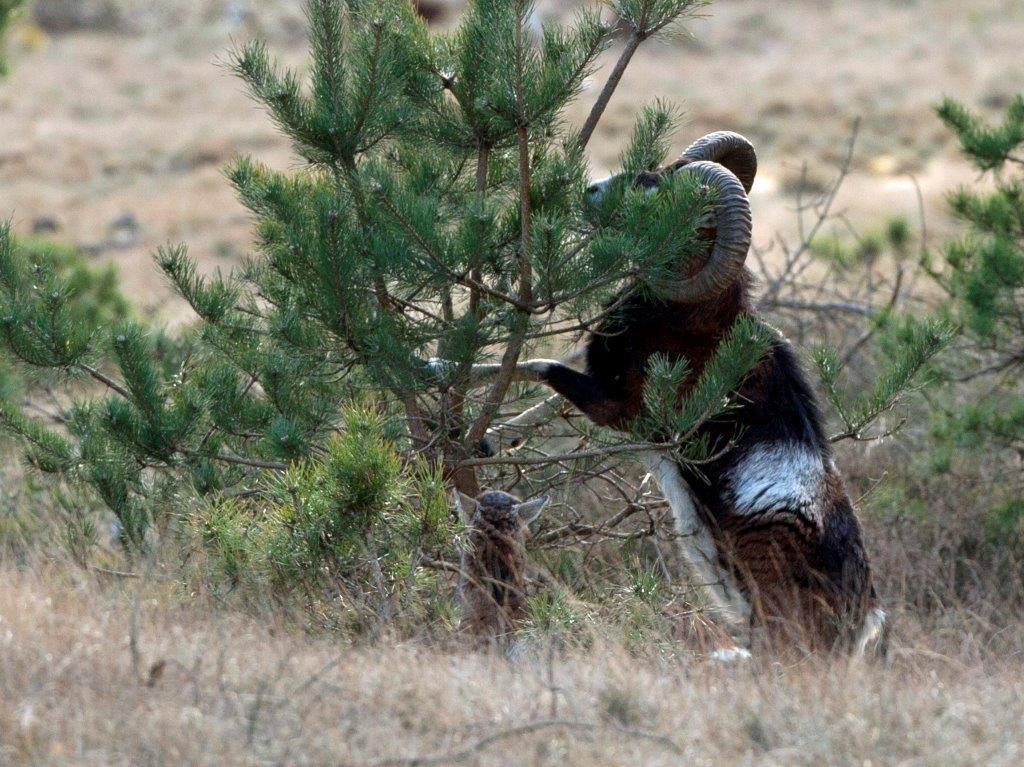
x: 466, y: 506
x: 530, y: 510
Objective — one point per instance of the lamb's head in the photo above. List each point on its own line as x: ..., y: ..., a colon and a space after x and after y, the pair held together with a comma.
x: 499, y: 513
x: 726, y: 163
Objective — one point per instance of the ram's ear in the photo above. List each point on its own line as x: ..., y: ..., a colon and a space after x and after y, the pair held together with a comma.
x: 466, y: 505
x: 530, y: 510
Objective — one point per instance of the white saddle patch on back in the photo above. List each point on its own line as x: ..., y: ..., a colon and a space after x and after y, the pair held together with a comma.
x: 777, y: 476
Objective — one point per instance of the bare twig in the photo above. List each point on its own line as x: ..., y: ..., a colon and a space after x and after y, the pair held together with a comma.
x: 868, y: 334
x: 253, y: 462
x: 597, y: 111
x: 480, y: 744
x: 826, y: 307
x: 597, y: 452
x: 106, y: 380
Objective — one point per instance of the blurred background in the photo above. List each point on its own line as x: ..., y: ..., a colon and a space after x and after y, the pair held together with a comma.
x: 119, y: 114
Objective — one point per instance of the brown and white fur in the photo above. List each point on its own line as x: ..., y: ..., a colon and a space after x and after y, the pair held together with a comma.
x: 492, y: 582
x: 776, y: 506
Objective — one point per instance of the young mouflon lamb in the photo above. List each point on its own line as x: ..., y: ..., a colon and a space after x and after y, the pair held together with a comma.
x: 492, y: 582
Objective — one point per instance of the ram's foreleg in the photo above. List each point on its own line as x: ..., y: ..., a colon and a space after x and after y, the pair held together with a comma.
x: 587, y: 393
x: 699, y: 551
x: 527, y: 370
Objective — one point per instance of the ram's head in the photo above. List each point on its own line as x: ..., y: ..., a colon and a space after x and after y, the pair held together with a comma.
x: 726, y: 163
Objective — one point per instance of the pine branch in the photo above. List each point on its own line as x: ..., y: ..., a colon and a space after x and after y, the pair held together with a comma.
x: 646, y: 19
x: 255, y: 463
x: 597, y: 111
x: 106, y: 380
x: 483, y: 164
x: 462, y: 279
x: 577, y: 455
x: 366, y: 103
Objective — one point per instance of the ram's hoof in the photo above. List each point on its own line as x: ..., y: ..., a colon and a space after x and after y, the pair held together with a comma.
x: 730, y: 656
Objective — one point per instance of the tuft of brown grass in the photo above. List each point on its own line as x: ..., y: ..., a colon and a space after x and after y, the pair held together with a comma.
x: 96, y: 670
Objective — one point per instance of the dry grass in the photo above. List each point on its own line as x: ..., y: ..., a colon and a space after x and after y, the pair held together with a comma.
x: 211, y: 687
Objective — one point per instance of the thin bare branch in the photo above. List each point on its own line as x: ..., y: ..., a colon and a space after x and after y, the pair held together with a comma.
x: 462, y: 754
x: 597, y: 111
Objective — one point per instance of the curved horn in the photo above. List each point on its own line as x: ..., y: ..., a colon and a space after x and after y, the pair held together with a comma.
x: 734, y: 231
x: 726, y: 148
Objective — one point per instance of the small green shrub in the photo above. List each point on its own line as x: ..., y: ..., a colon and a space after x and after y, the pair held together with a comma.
x: 554, y: 615
x: 90, y: 298
x: 90, y: 294
x: 894, y: 238
x: 1006, y: 521
x: 982, y: 274
x: 226, y: 530
x: 7, y: 9
x: 351, y: 526
x: 98, y: 300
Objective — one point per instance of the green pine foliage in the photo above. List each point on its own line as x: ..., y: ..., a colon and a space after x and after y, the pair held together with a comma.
x: 669, y: 418
x: 356, y: 521
x: 983, y: 276
x: 902, y: 348
x: 984, y: 271
x: 89, y: 298
x: 910, y: 348
x: 989, y: 147
x: 440, y: 213
x: 98, y: 299
x: 7, y: 11
x: 977, y: 419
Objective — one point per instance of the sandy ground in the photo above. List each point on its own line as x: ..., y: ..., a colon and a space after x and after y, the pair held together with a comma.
x: 100, y: 125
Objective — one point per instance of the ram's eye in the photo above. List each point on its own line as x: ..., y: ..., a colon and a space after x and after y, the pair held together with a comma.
x: 598, y: 190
